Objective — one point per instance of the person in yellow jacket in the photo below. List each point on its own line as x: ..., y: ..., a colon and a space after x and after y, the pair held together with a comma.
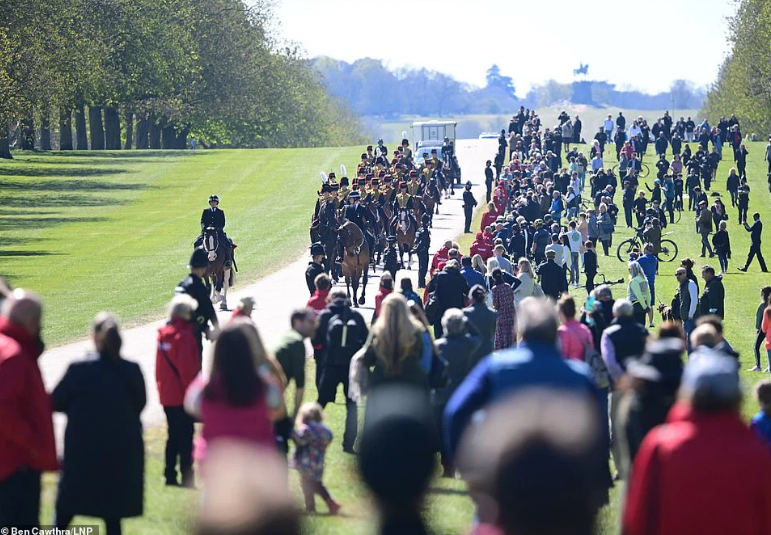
x: 638, y: 292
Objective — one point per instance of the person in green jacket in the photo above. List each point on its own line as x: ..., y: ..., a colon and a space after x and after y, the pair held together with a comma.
x: 638, y: 292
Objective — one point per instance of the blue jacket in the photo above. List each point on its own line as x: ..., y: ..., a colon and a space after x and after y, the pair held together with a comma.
x: 503, y: 373
x: 473, y: 277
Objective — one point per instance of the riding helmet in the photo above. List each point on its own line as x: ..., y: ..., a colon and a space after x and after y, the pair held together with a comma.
x: 391, y: 239
x: 214, y: 198
x: 317, y: 250
x: 426, y: 219
x: 199, y: 258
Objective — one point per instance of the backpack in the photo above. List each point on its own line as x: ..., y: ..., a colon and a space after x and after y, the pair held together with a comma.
x: 343, y: 338
x: 599, y: 369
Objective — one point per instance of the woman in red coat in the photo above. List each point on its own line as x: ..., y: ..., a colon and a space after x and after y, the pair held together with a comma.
x: 489, y: 217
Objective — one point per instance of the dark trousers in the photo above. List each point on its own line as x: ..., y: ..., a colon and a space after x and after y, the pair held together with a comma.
x: 705, y: 246
x: 489, y: 190
x: 590, y: 282
x: 670, y: 207
x: 422, y: 268
x: 628, y: 215
x: 311, y: 487
x: 331, y: 377
x: 179, y: 444
x: 723, y: 259
x: 283, y: 429
x: 742, y: 213
x: 755, y: 250
x: 734, y: 197
x: 20, y: 499
x: 112, y: 525
x: 759, y: 339
x: 468, y: 212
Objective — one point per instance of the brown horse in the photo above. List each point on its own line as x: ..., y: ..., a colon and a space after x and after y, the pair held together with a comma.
x: 430, y: 204
x: 356, y: 260
x: 218, y: 277
x: 405, y: 238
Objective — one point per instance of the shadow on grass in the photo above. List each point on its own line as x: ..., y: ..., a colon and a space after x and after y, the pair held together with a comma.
x: 54, y: 201
x: 38, y: 171
x: 13, y: 253
x: 130, y: 154
x: 68, y: 185
x: 44, y: 222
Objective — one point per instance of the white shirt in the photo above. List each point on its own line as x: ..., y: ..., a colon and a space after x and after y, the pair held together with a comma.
x: 574, y: 239
x: 635, y: 130
x: 609, y: 124
x: 694, y: 299
x: 559, y: 258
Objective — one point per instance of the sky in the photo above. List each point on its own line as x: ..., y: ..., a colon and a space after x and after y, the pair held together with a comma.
x: 642, y: 45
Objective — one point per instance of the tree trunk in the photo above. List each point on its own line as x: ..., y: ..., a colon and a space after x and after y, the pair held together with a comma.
x: 143, y: 130
x: 155, y: 132
x: 182, y: 138
x: 65, y: 129
x: 111, y: 128
x: 96, y: 127
x: 129, y: 120
x: 5, y: 149
x: 27, y: 133
x: 81, y: 136
x: 169, y: 136
x: 45, y: 132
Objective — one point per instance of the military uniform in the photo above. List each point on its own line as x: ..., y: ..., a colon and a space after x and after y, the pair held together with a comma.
x: 311, y: 272
x: 422, y: 244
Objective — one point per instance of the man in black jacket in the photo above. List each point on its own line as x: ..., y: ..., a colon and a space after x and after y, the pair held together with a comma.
x: 661, y: 144
x: 552, y: 276
x: 712, y: 300
x: 489, y: 176
x: 315, y: 266
x: 333, y: 356
x: 194, y: 287
x: 577, y: 126
x: 422, y: 243
x: 469, y: 202
x: 756, y: 230
x: 450, y: 289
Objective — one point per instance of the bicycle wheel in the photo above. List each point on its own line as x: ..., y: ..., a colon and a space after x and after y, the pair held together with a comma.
x: 644, y: 171
x: 625, y: 249
x: 614, y: 169
x: 668, y: 251
x: 678, y: 216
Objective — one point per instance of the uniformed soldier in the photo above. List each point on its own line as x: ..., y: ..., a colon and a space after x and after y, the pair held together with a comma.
x: 403, y: 202
x: 315, y: 266
x: 469, y: 202
x: 391, y: 257
x: 370, y: 155
x: 413, y: 186
x: 334, y: 195
x: 324, y: 196
x: 214, y: 217
x: 448, y: 150
x: 422, y: 244
x: 193, y: 286
x: 382, y: 147
x: 406, y: 150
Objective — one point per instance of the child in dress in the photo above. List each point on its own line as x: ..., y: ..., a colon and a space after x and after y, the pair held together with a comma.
x: 312, y: 438
x: 761, y: 422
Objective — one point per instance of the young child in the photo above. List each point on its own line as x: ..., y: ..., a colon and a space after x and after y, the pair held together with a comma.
x: 312, y: 438
x: 761, y: 422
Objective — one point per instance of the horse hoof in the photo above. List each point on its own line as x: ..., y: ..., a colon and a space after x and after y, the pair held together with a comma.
x: 361, y: 301
x: 224, y: 306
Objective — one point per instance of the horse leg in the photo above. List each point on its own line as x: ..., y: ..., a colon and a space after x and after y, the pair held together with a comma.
x: 365, y: 277
x: 355, y: 284
x: 348, y: 286
x: 409, y: 259
x: 225, y: 286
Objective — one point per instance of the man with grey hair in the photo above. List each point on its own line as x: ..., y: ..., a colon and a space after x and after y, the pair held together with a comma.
x: 27, y: 445
x: 503, y: 262
x: 535, y: 363
x: 703, y: 471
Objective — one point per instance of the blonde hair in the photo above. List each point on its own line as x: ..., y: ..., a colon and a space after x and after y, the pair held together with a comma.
x: 394, y: 333
x: 526, y: 267
x: 309, y: 412
x: 478, y: 264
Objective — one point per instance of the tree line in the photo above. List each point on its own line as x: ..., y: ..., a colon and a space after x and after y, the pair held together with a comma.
x: 743, y: 85
x: 122, y: 74
x: 370, y: 88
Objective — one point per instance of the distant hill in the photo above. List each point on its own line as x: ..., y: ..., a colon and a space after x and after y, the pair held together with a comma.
x: 370, y: 89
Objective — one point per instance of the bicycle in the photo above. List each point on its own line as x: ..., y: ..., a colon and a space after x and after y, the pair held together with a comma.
x: 644, y: 170
x: 625, y: 249
x: 605, y: 281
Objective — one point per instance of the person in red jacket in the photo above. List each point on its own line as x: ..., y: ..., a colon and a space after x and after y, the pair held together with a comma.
x: 488, y: 218
x: 481, y: 247
x: 27, y: 445
x: 386, y: 288
x: 177, y: 364
x: 244, y: 308
x: 318, y: 301
x: 442, y: 255
x: 703, y: 471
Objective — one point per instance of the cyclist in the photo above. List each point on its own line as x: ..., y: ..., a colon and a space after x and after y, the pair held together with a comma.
x: 668, y: 186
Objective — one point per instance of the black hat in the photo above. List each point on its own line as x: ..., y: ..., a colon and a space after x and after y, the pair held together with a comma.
x: 317, y: 250
x: 354, y: 195
x: 214, y: 198
x: 344, y: 181
x: 335, y: 186
x: 199, y: 258
x: 369, y: 147
x: 469, y: 184
x: 405, y: 141
x: 326, y: 188
x: 426, y: 219
x: 331, y: 175
x: 661, y: 361
x: 391, y: 239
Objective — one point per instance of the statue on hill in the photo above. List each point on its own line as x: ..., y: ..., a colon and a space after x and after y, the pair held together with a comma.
x: 582, y: 69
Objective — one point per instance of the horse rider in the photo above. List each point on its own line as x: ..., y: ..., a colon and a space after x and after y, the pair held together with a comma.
x: 422, y: 244
x: 315, y: 266
x: 193, y: 286
x: 414, y: 186
x: 448, y: 151
x: 214, y: 217
x: 382, y: 147
x: 342, y: 193
x: 357, y: 213
x: 404, y: 204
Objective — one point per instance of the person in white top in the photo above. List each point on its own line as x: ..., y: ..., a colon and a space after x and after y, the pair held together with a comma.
x: 609, y: 124
x: 635, y: 130
x: 527, y: 277
x: 559, y: 253
x: 574, y: 241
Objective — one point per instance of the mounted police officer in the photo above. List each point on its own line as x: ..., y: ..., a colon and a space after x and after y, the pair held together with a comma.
x: 422, y: 244
x: 357, y: 213
x: 193, y: 286
x: 214, y: 217
x: 315, y: 266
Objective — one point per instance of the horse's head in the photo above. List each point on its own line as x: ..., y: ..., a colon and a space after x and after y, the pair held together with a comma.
x: 211, y: 242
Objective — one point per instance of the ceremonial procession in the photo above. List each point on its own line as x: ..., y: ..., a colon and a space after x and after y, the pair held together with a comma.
x: 436, y: 305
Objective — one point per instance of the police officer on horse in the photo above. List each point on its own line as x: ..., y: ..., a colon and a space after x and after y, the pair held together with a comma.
x: 214, y: 217
x: 357, y: 213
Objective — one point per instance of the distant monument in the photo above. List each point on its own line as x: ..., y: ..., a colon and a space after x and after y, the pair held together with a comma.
x: 582, y: 69
x: 581, y: 90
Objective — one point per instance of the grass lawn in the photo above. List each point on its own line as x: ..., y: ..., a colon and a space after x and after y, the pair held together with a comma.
x: 114, y: 230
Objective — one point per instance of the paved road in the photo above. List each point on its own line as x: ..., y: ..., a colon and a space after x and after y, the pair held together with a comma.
x: 277, y: 294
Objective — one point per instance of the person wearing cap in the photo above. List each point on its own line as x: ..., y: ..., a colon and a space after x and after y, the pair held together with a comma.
x: 469, y: 203
x: 193, y: 286
x: 421, y: 247
x: 704, y: 471
x: 551, y: 276
x: 391, y: 262
x: 403, y: 206
x: 315, y: 266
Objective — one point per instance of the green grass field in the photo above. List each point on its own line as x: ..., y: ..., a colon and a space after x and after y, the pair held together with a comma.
x: 114, y: 230
x: 78, y: 229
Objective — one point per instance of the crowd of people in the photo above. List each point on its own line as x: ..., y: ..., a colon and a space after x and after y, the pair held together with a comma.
x: 561, y: 386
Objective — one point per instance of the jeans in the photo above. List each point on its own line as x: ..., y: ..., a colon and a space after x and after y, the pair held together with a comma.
x: 734, y: 197
x: 582, y: 178
x: 575, y: 269
x: 723, y: 259
x: 179, y: 444
x: 705, y: 246
x: 20, y: 498
x: 670, y: 207
x: 688, y: 327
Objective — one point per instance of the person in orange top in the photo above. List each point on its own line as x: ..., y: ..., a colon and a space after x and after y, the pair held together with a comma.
x: 765, y: 327
x: 318, y: 301
x: 442, y: 255
x: 244, y: 308
x: 386, y: 288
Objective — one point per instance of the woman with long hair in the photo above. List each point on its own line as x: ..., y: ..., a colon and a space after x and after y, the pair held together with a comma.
x: 395, y: 345
x: 765, y: 301
x: 242, y: 396
x: 478, y: 264
x: 527, y: 279
x: 638, y: 292
x: 103, y: 468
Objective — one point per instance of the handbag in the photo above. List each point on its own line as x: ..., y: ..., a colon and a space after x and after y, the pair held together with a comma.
x: 432, y: 308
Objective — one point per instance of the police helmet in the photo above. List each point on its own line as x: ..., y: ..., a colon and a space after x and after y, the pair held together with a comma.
x: 317, y: 250
x: 214, y: 198
x: 426, y: 219
x: 199, y: 258
x: 391, y: 239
